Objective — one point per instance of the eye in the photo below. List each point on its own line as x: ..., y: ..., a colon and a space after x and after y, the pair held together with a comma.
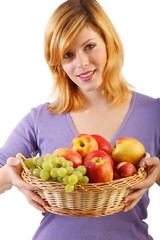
x: 90, y: 46
x: 68, y: 55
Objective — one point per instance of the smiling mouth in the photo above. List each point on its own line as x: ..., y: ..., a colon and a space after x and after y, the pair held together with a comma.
x: 86, y: 76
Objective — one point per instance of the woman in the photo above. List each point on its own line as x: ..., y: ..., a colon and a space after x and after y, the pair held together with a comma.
x: 85, y: 56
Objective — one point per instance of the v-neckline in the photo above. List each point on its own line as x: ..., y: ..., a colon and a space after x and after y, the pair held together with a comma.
x: 75, y: 133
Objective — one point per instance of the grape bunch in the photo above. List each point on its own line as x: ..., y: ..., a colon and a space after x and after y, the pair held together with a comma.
x: 57, y: 169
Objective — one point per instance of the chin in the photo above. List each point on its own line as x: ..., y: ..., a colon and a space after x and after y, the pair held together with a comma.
x: 92, y: 88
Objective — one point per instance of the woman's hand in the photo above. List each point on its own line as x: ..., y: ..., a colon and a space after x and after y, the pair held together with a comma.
x: 153, y: 175
x: 15, y: 168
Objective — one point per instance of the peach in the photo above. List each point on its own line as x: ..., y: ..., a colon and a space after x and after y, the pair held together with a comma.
x: 124, y: 169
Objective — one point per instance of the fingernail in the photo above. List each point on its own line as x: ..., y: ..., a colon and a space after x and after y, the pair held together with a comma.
x: 125, y: 210
x: 44, y: 204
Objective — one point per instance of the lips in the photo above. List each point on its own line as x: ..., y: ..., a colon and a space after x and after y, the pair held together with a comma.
x: 86, y: 76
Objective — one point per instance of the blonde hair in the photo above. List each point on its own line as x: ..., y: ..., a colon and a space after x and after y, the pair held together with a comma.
x: 63, y: 27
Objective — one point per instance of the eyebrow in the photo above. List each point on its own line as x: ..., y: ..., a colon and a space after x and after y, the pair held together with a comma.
x: 83, y: 44
x: 88, y: 41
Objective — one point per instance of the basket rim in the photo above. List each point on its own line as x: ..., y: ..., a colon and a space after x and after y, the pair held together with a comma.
x: 116, y: 184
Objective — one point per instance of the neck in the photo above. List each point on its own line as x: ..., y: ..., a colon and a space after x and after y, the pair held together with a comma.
x: 95, y: 99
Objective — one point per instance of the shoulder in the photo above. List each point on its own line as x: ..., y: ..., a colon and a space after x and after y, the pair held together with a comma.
x: 147, y: 102
x: 145, y: 109
x: 41, y: 115
x: 36, y: 115
x: 39, y: 111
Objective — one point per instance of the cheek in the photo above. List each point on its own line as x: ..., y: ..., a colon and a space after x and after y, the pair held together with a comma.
x: 68, y: 69
x: 103, y: 59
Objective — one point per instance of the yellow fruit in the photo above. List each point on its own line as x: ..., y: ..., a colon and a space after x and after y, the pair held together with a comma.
x: 127, y: 149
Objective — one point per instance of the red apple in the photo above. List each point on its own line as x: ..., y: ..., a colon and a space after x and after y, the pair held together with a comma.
x: 99, y: 167
x: 70, y: 155
x: 103, y: 144
x: 127, y: 149
x: 124, y: 169
x: 84, y: 144
x: 100, y: 153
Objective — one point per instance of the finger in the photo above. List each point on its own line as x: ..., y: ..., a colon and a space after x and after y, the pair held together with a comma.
x: 134, y: 196
x: 145, y: 184
x: 38, y: 206
x: 16, y: 175
x: 147, y: 155
x: 151, y: 161
x: 35, y: 200
x: 21, y: 184
x: 131, y: 204
x: 12, y: 162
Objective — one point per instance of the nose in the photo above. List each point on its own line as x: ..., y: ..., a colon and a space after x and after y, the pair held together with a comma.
x: 82, y: 60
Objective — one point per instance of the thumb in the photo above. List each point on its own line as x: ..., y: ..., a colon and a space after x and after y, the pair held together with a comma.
x: 147, y: 155
x: 13, y: 162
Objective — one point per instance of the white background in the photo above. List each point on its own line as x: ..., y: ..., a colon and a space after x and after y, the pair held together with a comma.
x: 25, y: 82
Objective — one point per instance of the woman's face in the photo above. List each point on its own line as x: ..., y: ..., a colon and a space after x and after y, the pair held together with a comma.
x: 85, y: 59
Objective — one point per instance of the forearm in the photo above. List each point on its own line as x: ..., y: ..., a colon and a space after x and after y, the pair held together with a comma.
x: 5, y: 180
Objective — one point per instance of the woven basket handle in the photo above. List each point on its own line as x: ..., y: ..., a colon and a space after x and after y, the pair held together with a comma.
x: 21, y: 158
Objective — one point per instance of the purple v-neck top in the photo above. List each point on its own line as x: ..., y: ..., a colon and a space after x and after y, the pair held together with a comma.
x: 42, y: 132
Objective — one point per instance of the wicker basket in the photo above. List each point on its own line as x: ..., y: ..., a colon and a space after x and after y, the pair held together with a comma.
x: 87, y: 200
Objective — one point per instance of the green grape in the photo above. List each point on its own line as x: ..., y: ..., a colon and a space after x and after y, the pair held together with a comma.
x: 54, y: 160
x: 70, y: 163
x: 47, y: 166
x: 44, y: 175
x: 62, y: 172
x: 36, y: 172
x: 60, y: 179
x: 64, y: 163
x: 60, y: 159
x: 54, y: 173
x: 32, y: 168
x: 65, y: 180
x: 73, y: 179
x: 29, y: 163
x: 52, y: 179
x: 39, y: 161
x: 84, y: 180
x: 47, y: 157
x: 82, y: 169
x: 70, y: 170
x: 69, y: 188
x: 78, y: 174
